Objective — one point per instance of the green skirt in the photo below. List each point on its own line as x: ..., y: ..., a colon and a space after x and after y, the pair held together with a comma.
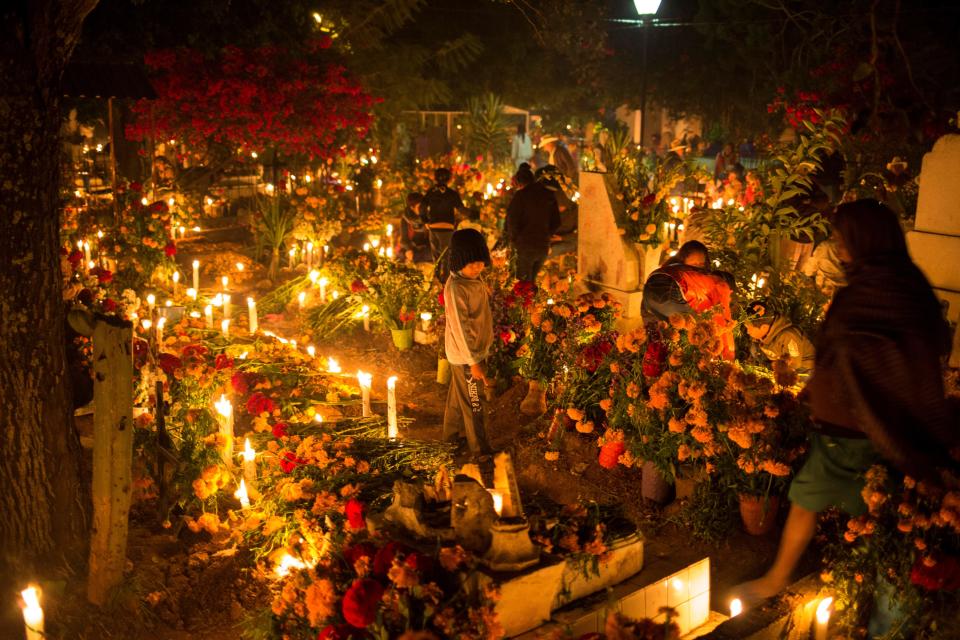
x: 833, y: 475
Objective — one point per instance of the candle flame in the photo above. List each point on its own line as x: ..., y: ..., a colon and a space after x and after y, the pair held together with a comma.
x: 823, y: 610
x: 311, y: 350
x: 241, y: 494
x: 288, y: 562
x: 248, y: 451
x: 392, y: 382
x: 314, y: 276
x: 224, y: 406
x: 31, y: 598
x: 736, y: 607
x: 333, y: 366
x: 365, y: 379
x: 192, y: 293
x: 497, y: 500
x: 176, y: 277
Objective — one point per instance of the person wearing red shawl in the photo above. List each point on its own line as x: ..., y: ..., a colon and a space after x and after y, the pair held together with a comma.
x: 877, y: 392
x: 683, y: 285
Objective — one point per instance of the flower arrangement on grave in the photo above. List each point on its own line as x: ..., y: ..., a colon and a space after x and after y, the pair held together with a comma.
x: 643, y: 190
x: 143, y: 243
x: 509, y: 301
x: 395, y: 291
x: 904, y: 550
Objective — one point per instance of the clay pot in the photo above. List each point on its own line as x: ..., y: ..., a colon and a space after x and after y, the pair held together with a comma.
x: 535, y: 404
x: 758, y: 513
x: 654, y: 486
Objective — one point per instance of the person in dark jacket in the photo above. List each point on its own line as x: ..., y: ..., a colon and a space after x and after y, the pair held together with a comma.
x: 438, y: 211
x: 532, y: 218
x: 877, y: 388
x: 413, y: 241
x: 559, y: 156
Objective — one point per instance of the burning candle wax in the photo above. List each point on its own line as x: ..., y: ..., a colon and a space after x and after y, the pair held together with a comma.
x: 252, y: 314
x: 241, y: 495
x: 196, y: 275
x: 227, y: 309
x: 32, y: 613
x: 365, y: 380
x: 333, y: 366
x: 225, y: 410
x: 497, y: 500
x: 208, y: 315
x: 225, y: 327
x: 392, y: 430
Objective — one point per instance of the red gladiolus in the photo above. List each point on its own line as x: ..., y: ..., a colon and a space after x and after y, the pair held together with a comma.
x: 943, y: 576
x: 354, y: 510
x: 103, y: 276
x: 75, y: 258
x: 440, y: 299
x: 610, y: 453
x: 170, y: 250
x: 654, y: 358
x: 353, y: 553
x: 193, y: 351
x: 169, y: 363
x: 222, y: 361
x: 240, y: 382
x: 289, y: 462
x: 259, y: 403
x: 337, y: 632
x: 357, y: 286
x: 361, y: 601
x: 280, y: 430
x: 109, y: 305
x: 384, y: 558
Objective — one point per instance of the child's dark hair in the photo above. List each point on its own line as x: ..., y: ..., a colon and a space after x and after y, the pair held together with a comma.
x: 414, y: 198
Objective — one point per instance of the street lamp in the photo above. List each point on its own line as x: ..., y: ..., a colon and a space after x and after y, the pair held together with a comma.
x: 646, y: 9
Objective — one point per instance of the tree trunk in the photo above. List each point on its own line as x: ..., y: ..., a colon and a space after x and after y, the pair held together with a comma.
x: 42, y: 504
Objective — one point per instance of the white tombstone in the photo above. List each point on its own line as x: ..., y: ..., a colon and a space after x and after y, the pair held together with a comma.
x: 935, y: 240
x: 605, y: 260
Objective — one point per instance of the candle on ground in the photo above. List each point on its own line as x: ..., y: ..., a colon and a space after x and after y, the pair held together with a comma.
x: 224, y: 281
x: 151, y: 302
x: 252, y: 313
x: 32, y: 613
x: 309, y: 255
x: 392, y: 430
x: 196, y: 275
x: 301, y: 299
x: 426, y: 317
x: 311, y: 351
x: 208, y: 315
x: 249, y: 465
x: 160, y: 323
x: 365, y: 312
x: 241, y: 495
x: 323, y: 289
x: 86, y: 251
x: 365, y: 380
x: 333, y: 366
x: 822, y: 624
x: 225, y: 327
x: 225, y: 411
x: 176, y: 282
x: 227, y: 309
x: 192, y: 294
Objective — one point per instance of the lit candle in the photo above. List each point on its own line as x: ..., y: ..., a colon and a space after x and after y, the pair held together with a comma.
x: 32, y: 613
x: 241, y: 494
x: 86, y: 251
x: 224, y: 281
x: 160, y: 323
x: 426, y: 317
x: 301, y: 299
x: 192, y: 294
x: 822, y: 624
x: 311, y: 351
x: 151, y: 302
x: 365, y: 312
x: 176, y: 282
x: 392, y: 430
x: 366, y: 246
x: 249, y: 464
x: 240, y: 267
x: 389, y: 230
x: 365, y: 380
x: 196, y: 275
x: 225, y: 327
x: 227, y: 309
x: 309, y: 255
x: 208, y: 315
x: 497, y: 500
x: 225, y: 410
x: 314, y: 275
x: 736, y: 607
x: 293, y: 256
x: 336, y: 294
x: 333, y: 366
x: 183, y: 232
x: 323, y: 289
x: 252, y: 314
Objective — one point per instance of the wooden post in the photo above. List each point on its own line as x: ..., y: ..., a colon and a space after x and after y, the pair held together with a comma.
x: 112, y: 454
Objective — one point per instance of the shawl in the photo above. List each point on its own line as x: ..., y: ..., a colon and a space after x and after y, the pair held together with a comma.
x: 878, y: 365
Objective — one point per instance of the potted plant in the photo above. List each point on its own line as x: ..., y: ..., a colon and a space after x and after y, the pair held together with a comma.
x: 396, y: 292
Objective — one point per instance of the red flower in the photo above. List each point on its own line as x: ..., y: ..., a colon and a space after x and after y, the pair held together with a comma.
x: 103, y: 276
x: 419, y: 562
x: 361, y: 601
x: 222, y: 361
x: 325, y: 42
x: 135, y: 186
x: 159, y: 206
x: 290, y: 461
x: 193, y: 351
x: 610, y: 453
x: 280, y: 430
x: 648, y: 200
x: 407, y: 316
x: 169, y: 363
x: 337, y: 632
x: 109, y: 306
x: 654, y: 358
x: 353, y: 553
x: 240, y: 382
x: 170, y: 250
x: 357, y: 286
x: 354, y: 510
x: 75, y: 258
x: 259, y: 403
x: 943, y: 576
x: 440, y: 299
x: 384, y: 558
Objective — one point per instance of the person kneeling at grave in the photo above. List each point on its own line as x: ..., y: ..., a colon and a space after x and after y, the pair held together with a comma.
x: 468, y: 337
x: 790, y: 353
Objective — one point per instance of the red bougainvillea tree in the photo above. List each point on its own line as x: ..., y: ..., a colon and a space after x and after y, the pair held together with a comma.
x: 269, y: 98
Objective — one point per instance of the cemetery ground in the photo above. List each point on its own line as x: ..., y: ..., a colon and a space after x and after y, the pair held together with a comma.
x: 181, y: 584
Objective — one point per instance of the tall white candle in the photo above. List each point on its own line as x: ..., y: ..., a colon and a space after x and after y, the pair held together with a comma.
x: 208, y: 315
x: 86, y: 251
x: 176, y: 282
x: 196, y: 275
x: 151, y: 302
x: 309, y: 255
x: 227, y: 309
x: 249, y: 464
x: 301, y: 299
x: 822, y: 623
x: 160, y: 323
x: 224, y: 281
x: 225, y: 411
x: 32, y: 613
x: 225, y: 327
x: 365, y: 380
x: 365, y: 311
x: 252, y: 313
x: 392, y: 430
x: 323, y: 289
x: 426, y: 318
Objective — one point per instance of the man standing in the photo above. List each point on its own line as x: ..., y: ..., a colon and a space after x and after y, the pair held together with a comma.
x: 438, y: 211
x: 532, y: 217
x: 559, y: 156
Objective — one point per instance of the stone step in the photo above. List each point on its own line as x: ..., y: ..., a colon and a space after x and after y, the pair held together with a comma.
x: 641, y: 596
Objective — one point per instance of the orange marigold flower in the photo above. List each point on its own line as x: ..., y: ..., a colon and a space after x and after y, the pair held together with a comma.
x: 320, y: 599
x: 633, y: 390
x: 575, y: 414
x: 605, y: 404
x: 676, y: 426
x: 452, y: 557
x: 551, y: 338
x: 585, y: 427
